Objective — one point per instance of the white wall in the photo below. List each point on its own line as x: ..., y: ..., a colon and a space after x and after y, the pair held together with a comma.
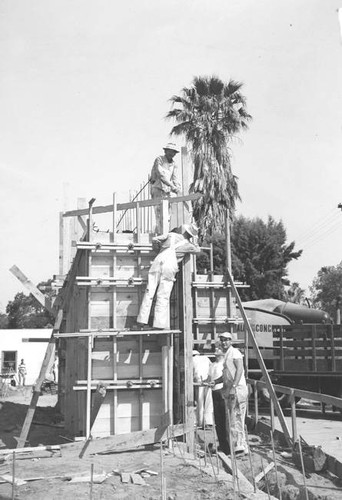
x: 32, y: 352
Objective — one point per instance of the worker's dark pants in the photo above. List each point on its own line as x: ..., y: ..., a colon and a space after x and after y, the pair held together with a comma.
x: 220, y: 421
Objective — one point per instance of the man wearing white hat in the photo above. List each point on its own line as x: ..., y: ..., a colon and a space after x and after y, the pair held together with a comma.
x: 173, y: 247
x: 164, y: 179
x: 235, y: 391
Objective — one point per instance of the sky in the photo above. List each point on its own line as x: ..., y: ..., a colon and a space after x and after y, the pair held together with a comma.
x: 85, y: 87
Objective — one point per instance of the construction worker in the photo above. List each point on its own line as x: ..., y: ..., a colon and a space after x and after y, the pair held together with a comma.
x: 161, y: 276
x: 164, y: 180
x: 202, y: 393
x: 235, y: 391
x: 22, y: 372
x: 216, y: 381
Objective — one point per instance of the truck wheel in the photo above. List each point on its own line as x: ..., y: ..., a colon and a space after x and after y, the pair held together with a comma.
x: 284, y: 399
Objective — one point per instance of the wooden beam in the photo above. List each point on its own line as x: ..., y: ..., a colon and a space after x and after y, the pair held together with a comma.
x: 50, y: 352
x: 42, y: 299
x: 188, y: 347
x: 135, y: 439
x: 126, y: 206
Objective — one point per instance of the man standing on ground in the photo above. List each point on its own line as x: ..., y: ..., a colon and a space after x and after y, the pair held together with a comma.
x: 202, y: 393
x: 164, y: 179
x: 235, y: 391
x: 216, y: 380
x: 22, y: 372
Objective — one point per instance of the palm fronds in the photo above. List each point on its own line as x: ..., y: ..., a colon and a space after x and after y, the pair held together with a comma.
x: 209, y: 114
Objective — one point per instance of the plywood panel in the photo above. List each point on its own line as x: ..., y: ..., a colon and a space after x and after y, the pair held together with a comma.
x: 102, y: 359
x: 151, y: 364
x: 128, y: 411
x: 104, y: 423
x: 152, y: 408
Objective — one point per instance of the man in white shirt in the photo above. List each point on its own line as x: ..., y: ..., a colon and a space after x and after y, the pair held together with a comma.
x: 235, y: 391
x: 164, y: 179
x: 203, y: 398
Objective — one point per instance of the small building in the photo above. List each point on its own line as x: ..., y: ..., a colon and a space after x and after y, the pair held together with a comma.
x: 27, y: 344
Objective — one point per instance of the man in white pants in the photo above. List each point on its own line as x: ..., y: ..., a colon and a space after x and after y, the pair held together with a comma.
x: 235, y: 391
x: 203, y: 397
x: 161, y: 276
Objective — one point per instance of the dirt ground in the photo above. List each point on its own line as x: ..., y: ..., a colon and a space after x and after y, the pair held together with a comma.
x: 187, y: 477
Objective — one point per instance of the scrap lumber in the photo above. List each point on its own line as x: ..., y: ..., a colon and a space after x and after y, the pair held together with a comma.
x: 33, y: 449
x: 97, y: 478
x: 265, y: 471
x: 245, y: 485
x: 120, y: 442
x: 314, y: 458
x: 125, y: 477
x: 9, y: 479
x: 137, y: 479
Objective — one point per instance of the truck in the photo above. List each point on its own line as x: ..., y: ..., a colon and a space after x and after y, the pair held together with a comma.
x: 300, y: 345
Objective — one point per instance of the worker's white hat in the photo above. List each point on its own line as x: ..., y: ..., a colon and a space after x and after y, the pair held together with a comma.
x: 190, y: 229
x: 194, y: 352
x: 226, y: 335
x: 172, y: 146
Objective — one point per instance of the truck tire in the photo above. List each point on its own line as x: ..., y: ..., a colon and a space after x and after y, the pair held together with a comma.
x: 283, y: 399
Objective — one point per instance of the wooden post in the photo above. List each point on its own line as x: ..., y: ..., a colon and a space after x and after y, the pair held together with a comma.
x: 272, y: 414
x: 114, y: 217
x: 187, y: 317
x: 88, y: 408
x: 188, y: 347
x: 90, y: 219
x: 228, y: 264
x: 61, y: 244
x: 293, y: 416
x: 256, y: 403
x: 170, y: 378
x: 165, y: 378
x: 138, y: 220
x: 165, y: 216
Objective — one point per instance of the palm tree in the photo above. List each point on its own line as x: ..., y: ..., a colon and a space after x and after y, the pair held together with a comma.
x: 209, y: 114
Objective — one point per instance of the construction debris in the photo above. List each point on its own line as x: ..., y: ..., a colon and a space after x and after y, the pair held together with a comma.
x: 314, y: 458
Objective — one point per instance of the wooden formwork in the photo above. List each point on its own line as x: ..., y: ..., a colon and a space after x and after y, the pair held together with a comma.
x: 97, y: 343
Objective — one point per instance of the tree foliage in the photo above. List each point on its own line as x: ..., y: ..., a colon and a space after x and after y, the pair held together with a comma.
x: 209, y: 114
x: 294, y: 293
x: 3, y: 321
x: 326, y: 288
x: 260, y: 256
x: 24, y: 311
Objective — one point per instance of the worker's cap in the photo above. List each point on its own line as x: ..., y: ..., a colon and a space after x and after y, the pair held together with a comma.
x: 194, y: 352
x: 191, y: 229
x: 226, y: 335
x: 172, y: 146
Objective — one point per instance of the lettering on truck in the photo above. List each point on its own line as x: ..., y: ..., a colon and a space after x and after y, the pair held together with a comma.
x: 266, y: 328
